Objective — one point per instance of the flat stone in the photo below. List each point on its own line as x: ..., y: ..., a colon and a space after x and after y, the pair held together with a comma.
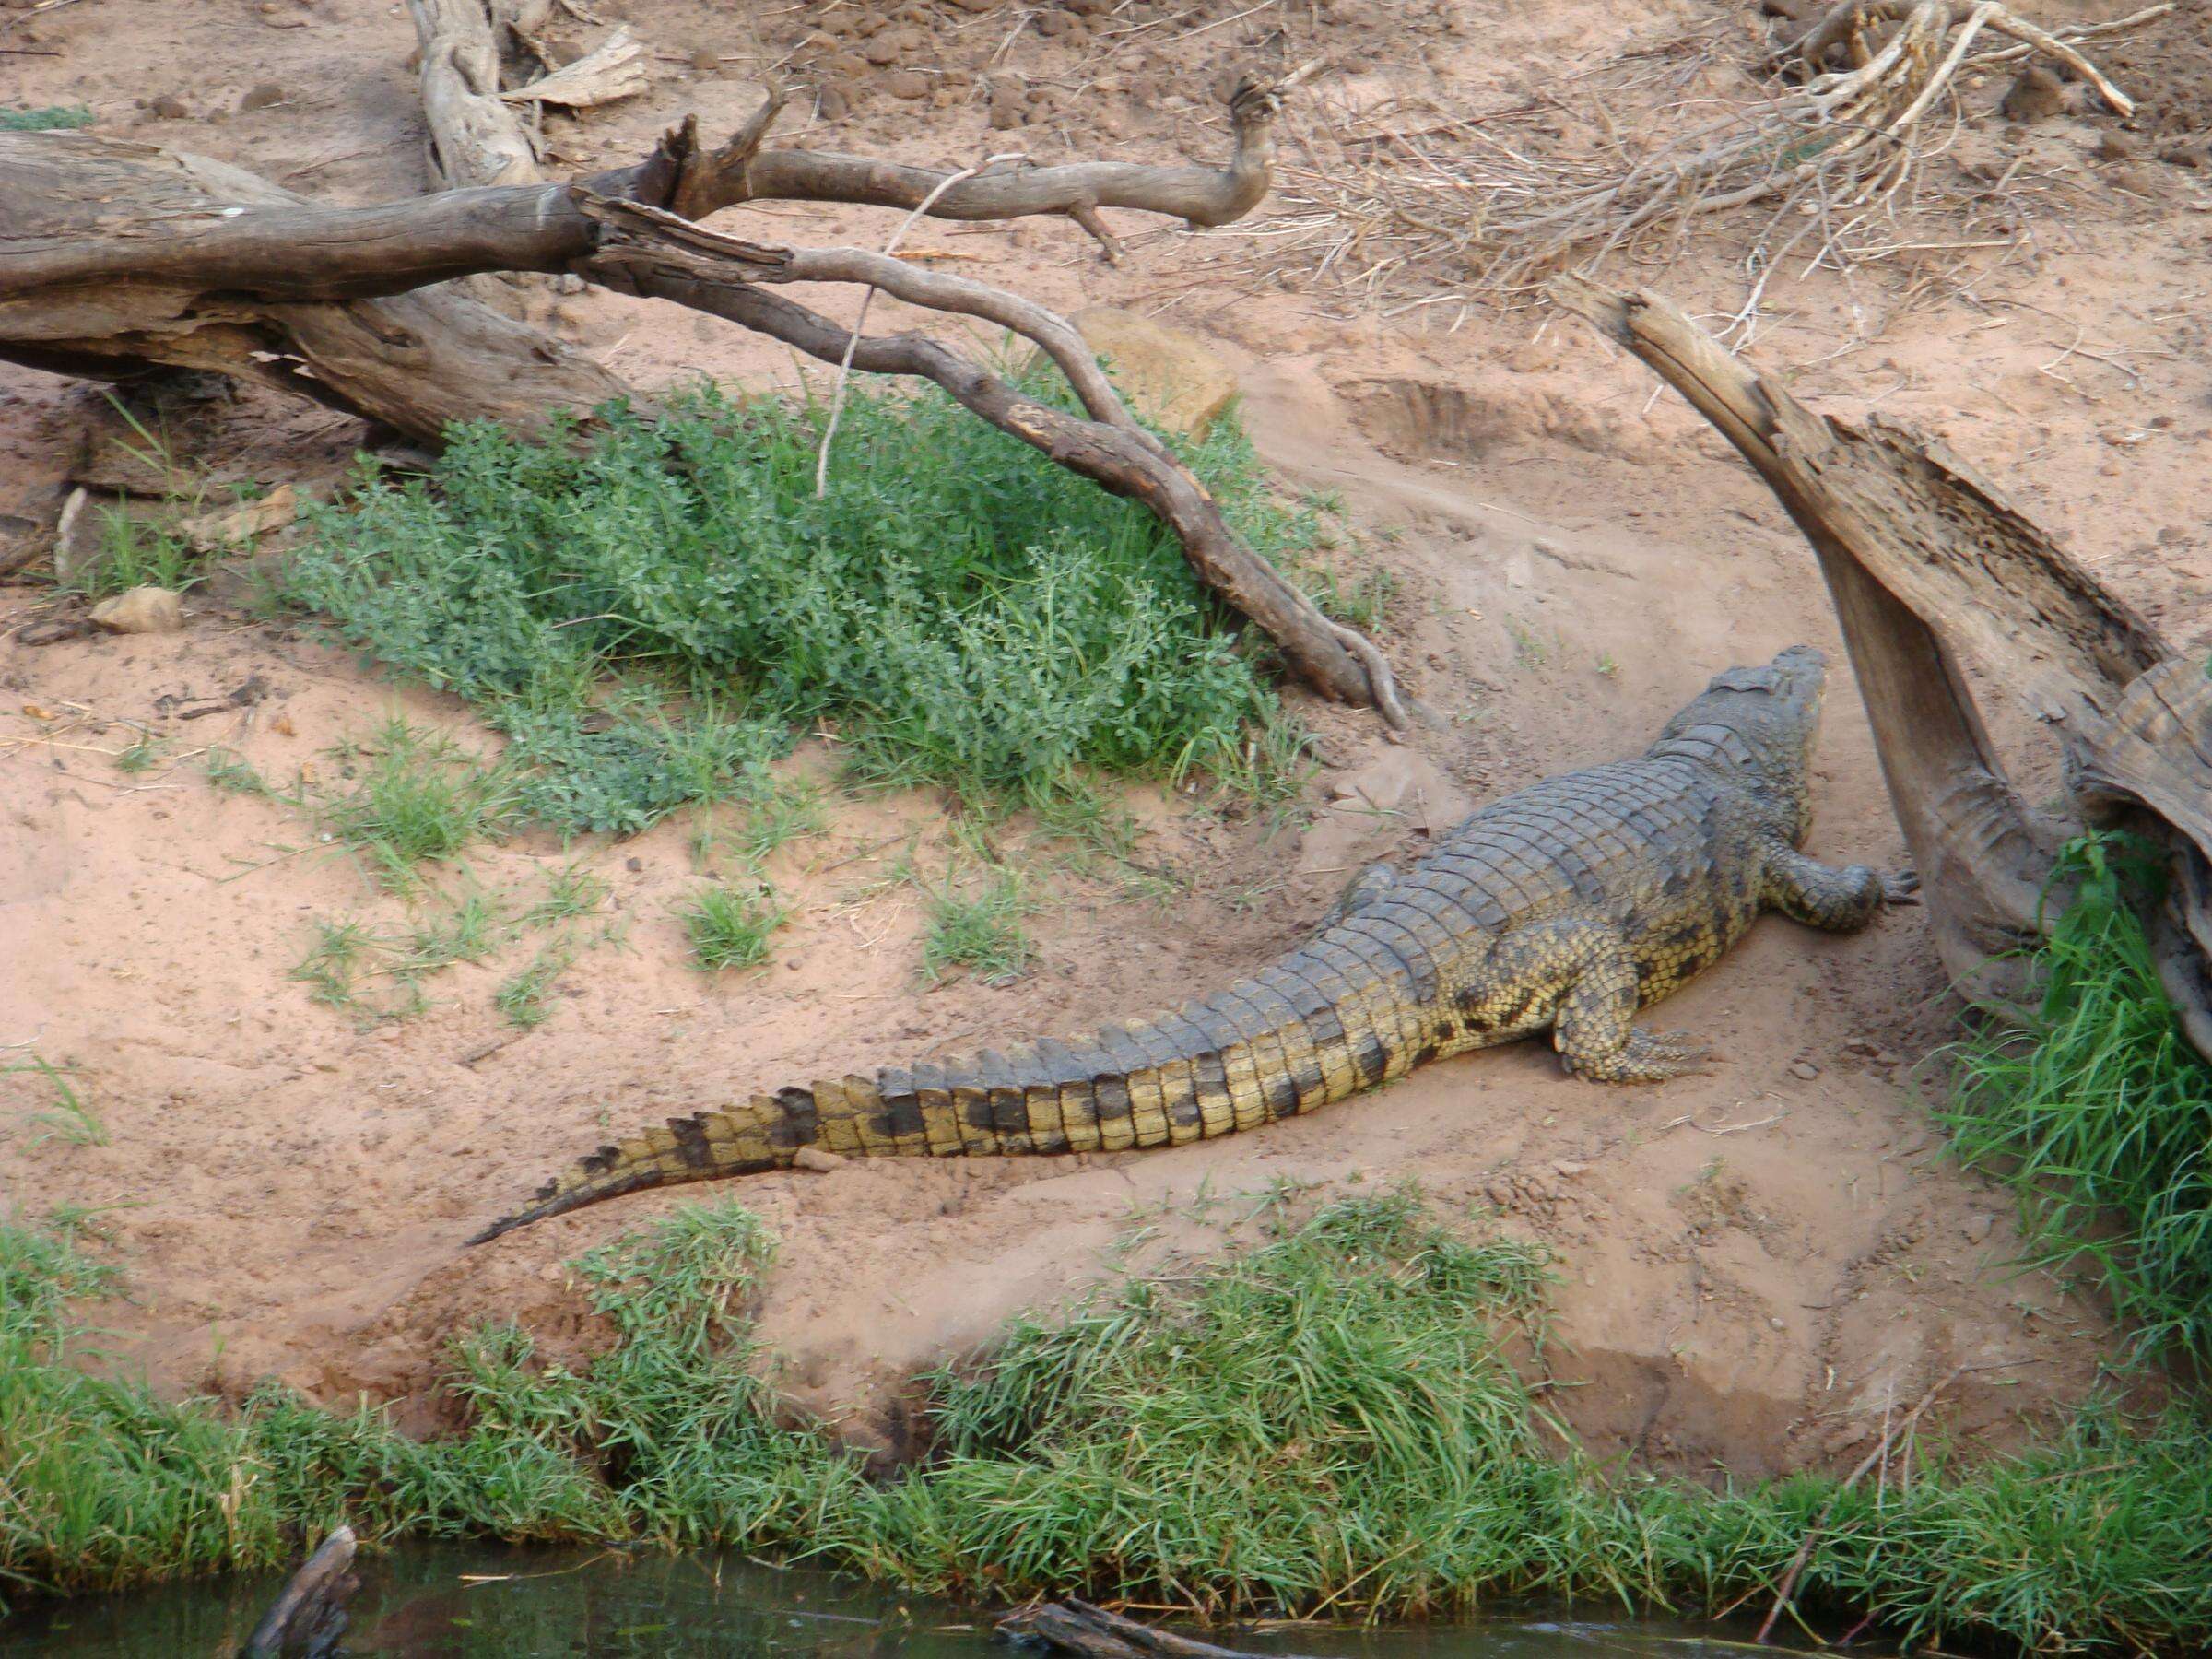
x: 816, y: 1158
x: 141, y: 610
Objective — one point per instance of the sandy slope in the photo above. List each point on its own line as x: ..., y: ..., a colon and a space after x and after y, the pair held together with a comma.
x: 1754, y: 1264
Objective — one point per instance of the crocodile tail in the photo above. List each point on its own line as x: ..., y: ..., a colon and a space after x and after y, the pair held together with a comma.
x: 1320, y: 1023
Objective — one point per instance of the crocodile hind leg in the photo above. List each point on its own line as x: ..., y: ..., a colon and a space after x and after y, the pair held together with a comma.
x: 1839, y: 900
x: 1581, y: 972
x: 1597, y: 1036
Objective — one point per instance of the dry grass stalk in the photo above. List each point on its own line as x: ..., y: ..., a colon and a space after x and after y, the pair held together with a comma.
x: 1403, y: 207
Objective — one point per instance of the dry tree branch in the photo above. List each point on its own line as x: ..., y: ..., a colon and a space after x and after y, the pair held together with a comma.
x: 114, y: 257
x: 845, y: 369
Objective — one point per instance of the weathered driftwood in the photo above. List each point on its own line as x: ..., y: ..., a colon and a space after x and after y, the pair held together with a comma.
x: 114, y: 257
x: 476, y: 137
x: 1089, y: 1632
x: 613, y: 69
x: 306, y: 1620
x: 1927, y: 564
x: 99, y: 240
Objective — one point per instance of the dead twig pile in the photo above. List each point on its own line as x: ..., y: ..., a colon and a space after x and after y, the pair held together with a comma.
x: 1425, y: 208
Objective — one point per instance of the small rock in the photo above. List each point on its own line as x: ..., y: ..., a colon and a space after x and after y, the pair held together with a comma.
x: 1007, y: 110
x: 167, y: 107
x: 142, y: 610
x: 905, y: 83
x: 2037, y: 94
x: 817, y: 1159
x: 633, y: 865
x: 2116, y: 145
x: 264, y: 95
x: 1777, y: 1323
x: 706, y: 60
x: 882, y: 51
x: 1977, y: 1226
x: 833, y: 103
x: 1806, y: 1069
x: 1054, y: 23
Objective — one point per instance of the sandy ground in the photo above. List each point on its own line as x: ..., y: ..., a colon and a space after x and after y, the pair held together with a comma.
x: 1755, y: 1264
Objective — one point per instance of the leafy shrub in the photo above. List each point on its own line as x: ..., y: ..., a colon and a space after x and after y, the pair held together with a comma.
x: 650, y: 615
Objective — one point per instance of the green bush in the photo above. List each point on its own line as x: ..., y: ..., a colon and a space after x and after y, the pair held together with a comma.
x: 652, y: 614
x: 2098, y: 1111
x: 52, y: 118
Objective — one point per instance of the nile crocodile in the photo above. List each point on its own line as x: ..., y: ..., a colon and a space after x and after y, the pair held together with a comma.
x: 1564, y: 906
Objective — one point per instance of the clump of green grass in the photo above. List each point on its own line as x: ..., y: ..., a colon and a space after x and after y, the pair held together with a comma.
x: 141, y: 757
x: 650, y: 616
x: 466, y: 930
x: 979, y: 929
x: 570, y: 892
x: 337, y: 958
x: 524, y: 997
x: 667, y: 1436
x: 133, y: 553
x: 729, y: 927
x: 2098, y: 1112
x: 233, y: 774
x: 50, y: 119
x: 1326, y: 1422
x: 416, y: 798
x: 69, y: 1118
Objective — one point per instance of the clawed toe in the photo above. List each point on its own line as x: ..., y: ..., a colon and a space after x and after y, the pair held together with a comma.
x: 1646, y: 1057
x: 1901, y: 887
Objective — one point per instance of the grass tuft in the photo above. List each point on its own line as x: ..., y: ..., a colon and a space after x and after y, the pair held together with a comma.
x: 729, y: 928
x: 233, y: 774
x: 69, y: 1118
x: 416, y: 798
x: 652, y: 614
x: 979, y: 930
x: 2098, y: 1112
x: 51, y: 118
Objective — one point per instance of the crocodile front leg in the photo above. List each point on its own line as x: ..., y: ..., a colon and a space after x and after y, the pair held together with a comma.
x: 1839, y: 900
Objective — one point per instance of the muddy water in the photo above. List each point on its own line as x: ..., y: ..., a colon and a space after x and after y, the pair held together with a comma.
x: 472, y: 1602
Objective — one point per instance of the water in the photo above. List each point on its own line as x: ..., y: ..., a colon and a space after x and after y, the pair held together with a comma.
x: 476, y: 1601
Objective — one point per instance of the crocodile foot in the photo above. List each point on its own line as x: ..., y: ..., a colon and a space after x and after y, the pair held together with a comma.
x: 1645, y: 1057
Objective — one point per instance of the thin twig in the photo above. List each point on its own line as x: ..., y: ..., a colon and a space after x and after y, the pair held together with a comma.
x: 1812, y: 1533
x: 844, y: 370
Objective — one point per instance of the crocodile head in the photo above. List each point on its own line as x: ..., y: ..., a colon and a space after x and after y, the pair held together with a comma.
x: 1761, y: 721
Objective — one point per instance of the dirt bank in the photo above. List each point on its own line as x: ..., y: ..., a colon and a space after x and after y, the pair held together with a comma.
x: 1755, y: 1264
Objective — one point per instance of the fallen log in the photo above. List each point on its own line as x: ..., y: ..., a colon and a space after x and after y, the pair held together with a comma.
x: 1089, y: 1632
x: 306, y: 1620
x: 1928, y: 565
x: 114, y: 257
